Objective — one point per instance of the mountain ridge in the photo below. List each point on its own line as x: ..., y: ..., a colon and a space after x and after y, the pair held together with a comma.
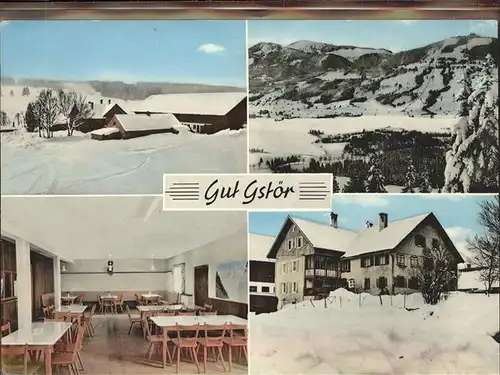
x: 316, y: 80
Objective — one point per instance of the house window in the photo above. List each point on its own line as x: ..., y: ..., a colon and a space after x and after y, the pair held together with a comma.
x: 294, y: 287
x: 345, y: 266
x: 382, y: 282
x: 299, y: 242
x: 253, y: 289
x: 310, y: 262
x: 179, y: 278
x: 283, y: 268
x: 414, y: 261
x: 413, y: 283
x: 420, y: 240
x: 351, y: 284
x: 294, y: 266
x: 309, y: 284
x: 265, y: 289
x: 366, y: 262
x: 367, y: 284
x: 290, y: 245
x: 435, y: 243
x: 382, y: 260
x: 401, y: 260
x: 400, y: 282
x: 283, y: 288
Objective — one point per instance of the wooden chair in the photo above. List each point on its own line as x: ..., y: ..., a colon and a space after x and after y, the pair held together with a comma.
x: 139, y: 300
x: 235, y: 341
x: 108, y: 304
x: 14, y: 360
x: 70, y: 356
x: 156, y: 343
x: 99, y: 303
x: 134, y: 320
x: 79, y: 300
x: 119, y: 303
x: 5, y: 329
x: 87, y: 320
x: 189, y: 343
x: 212, y: 338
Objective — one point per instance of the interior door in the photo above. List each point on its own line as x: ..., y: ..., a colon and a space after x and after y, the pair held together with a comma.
x: 201, y: 285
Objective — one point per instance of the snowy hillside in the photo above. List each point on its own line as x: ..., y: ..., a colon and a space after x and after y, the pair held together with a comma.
x: 354, y: 334
x: 311, y: 79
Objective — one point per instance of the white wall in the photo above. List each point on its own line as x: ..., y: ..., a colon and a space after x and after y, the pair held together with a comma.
x: 130, y: 275
x: 224, y: 250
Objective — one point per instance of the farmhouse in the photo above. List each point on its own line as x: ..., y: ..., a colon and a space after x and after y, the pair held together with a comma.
x: 262, y: 294
x: 202, y: 113
x: 102, y: 113
x: 132, y: 125
x: 313, y: 259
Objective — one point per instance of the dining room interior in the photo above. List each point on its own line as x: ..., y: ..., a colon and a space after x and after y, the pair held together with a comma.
x: 92, y: 283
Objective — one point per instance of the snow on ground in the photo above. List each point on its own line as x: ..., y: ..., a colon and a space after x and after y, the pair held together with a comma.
x: 291, y: 137
x: 78, y: 165
x: 344, y: 338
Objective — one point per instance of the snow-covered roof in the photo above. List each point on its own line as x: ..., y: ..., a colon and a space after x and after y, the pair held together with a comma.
x: 374, y: 239
x: 205, y: 104
x: 105, y: 131
x: 352, y: 243
x: 128, y: 227
x: 468, y: 280
x: 100, y: 109
x: 260, y: 246
x: 325, y: 236
x: 132, y: 122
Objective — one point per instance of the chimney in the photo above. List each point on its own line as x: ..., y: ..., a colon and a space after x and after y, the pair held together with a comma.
x: 334, y: 220
x: 382, y: 220
x: 101, y: 101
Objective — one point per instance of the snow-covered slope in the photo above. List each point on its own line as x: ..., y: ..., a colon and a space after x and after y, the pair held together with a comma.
x: 312, y: 79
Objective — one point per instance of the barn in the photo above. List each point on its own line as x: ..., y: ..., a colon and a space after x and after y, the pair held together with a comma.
x: 134, y: 125
x: 103, y: 111
x: 205, y: 113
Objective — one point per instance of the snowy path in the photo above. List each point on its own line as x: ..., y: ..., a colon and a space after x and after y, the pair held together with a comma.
x: 134, y: 166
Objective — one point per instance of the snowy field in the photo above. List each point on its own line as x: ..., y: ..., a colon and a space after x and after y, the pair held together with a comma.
x: 79, y: 165
x: 291, y: 137
x: 453, y: 337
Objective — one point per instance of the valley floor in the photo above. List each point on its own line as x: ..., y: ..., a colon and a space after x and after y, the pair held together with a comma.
x: 344, y: 338
x: 291, y: 137
x: 78, y: 165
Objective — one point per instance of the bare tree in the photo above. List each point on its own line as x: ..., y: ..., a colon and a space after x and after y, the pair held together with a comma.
x: 435, y: 274
x: 4, y: 119
x: 485, y: 248
x: 67, y: 101
x: 48, y: 110
x: 81, y: 111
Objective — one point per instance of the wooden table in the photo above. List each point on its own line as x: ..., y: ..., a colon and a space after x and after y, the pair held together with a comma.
x: 73, y: 309
x: 39, y: 336
x: 169, y: 323
x: 68, y: 298
x: 176, y: 307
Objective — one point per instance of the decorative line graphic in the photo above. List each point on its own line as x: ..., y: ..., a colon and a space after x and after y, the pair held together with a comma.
x: 184, y: 191
x: 306, y: 191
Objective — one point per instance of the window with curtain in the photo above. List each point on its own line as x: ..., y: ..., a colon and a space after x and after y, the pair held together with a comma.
x: 179, y: 278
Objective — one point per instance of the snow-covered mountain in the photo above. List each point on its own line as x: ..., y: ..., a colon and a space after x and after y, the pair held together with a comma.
x: 315, y: 80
